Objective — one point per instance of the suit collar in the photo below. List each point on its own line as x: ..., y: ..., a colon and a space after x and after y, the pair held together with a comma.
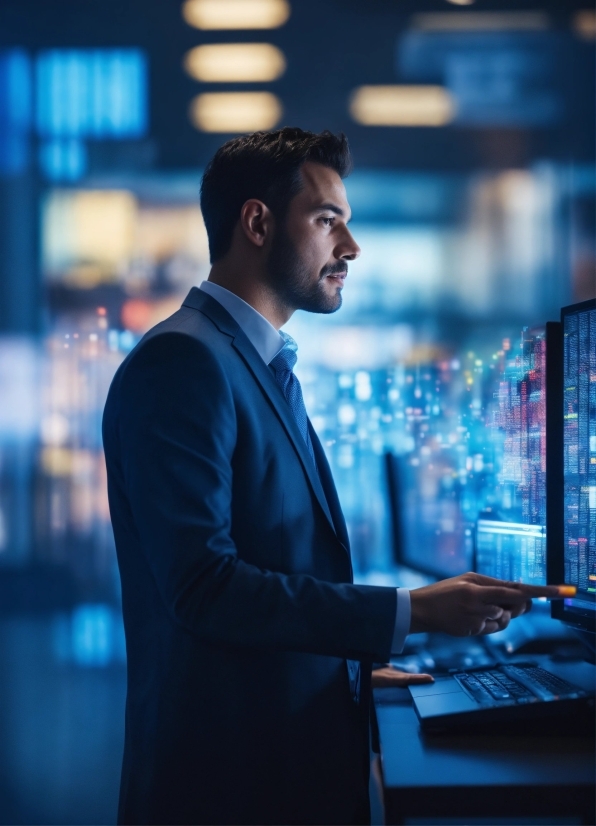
x: 263, y: 336
x: 204, y: 303
x: 199, y: 300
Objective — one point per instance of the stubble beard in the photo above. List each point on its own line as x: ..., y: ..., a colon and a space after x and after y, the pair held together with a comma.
x: 293, y: 282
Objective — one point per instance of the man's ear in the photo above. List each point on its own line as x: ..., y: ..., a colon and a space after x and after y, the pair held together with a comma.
x: 256, y: 221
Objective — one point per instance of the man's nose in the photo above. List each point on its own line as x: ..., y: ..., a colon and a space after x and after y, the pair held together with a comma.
x: 348, y: 249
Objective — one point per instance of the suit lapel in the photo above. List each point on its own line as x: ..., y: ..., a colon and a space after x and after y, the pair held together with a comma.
x: 199, y: 300
x: 273, y: 391
x: 329, y: 489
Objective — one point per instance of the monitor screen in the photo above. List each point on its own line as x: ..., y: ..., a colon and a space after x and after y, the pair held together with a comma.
x: 579, y: 463
x: 511, y: 550
x: 430, y: 531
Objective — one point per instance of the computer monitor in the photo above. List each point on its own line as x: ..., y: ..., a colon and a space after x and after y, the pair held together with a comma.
x: 430, y: 532
x: 571, y: 466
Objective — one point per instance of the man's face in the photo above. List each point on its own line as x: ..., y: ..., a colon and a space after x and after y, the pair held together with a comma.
x: 308, y: 259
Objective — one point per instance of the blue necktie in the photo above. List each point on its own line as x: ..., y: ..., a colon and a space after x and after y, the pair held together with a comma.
x: 283, y: 368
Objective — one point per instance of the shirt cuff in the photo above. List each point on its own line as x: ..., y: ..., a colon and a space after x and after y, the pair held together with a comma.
x: 402, y: 621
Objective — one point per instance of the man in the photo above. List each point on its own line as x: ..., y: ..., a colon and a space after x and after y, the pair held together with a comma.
x: 249, y: 648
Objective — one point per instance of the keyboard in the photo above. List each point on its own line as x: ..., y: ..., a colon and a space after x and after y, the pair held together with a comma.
x: 510, y: 692
x: 516, y: 684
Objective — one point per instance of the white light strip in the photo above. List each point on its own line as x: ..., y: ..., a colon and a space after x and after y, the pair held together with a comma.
x: 240, y: 62
x: 235, y: 112
x: 402, y: 106
x: 235, y: 14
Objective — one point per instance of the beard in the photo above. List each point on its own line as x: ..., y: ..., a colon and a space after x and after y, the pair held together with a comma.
x: 292, y: 280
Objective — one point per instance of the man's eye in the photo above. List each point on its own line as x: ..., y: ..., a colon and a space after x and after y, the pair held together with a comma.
x: 327, y: 221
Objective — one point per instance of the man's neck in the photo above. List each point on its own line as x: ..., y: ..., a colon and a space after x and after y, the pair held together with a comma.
x: 251, y: 289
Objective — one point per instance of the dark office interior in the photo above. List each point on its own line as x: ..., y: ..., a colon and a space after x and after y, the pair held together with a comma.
x: 437, y: 391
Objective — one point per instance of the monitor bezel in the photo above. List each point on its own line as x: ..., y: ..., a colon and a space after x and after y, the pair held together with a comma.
x: 582, y: 619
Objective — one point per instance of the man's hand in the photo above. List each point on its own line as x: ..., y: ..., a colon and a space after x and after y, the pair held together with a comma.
x: 472, y: 604
x: 389, y: 677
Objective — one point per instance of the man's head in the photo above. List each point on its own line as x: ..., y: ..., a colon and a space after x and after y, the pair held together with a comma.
x: 280, y: 195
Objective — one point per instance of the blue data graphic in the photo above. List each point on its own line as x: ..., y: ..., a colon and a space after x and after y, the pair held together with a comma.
x: 579, y: 435
x: 521, y: 418
x: 467, y: 433
x: 514, y: 546
x: 511, y: 550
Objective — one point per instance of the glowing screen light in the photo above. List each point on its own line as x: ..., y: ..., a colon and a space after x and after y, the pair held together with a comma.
x: 497, y: 78
x: 402, y: 106
x: 92, y: 635
x: 235, y: 62
x: 15, y: 110
x: 584, y: 24
x: 63, y: 160
x: 236, y: 14
x: 234, y: 112
x: 87, y: 232
x: 481, y: 21
x: 97, y: 93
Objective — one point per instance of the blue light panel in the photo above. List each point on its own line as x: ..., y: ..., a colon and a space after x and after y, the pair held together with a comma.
x: 15, y: 110
x: 91, y: 93
x: 497, y: 78
x: 63, y: 159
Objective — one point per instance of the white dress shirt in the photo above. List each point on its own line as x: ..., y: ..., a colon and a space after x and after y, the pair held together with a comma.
x: 267, y: 341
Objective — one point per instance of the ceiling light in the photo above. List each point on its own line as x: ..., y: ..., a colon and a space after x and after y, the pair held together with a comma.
x: 236, y: 14
x: 402, y: 106
x: 584, y: 24
x: 227, y: 62
x: 456, y: 21
x: 461, y: 2
x: 233, y: 112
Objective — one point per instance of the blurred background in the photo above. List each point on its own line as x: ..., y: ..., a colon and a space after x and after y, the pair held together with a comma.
x: 473, y: 196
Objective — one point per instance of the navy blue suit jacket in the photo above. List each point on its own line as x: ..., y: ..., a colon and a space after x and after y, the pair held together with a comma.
x: 238, y: 602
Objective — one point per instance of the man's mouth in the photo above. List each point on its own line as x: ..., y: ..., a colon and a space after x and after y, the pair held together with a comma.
x: 339, y: 277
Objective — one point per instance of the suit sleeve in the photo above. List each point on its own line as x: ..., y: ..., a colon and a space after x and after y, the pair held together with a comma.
x: 175, y: 430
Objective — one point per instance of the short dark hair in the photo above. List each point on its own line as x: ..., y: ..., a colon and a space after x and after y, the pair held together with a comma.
x: 263, y: 165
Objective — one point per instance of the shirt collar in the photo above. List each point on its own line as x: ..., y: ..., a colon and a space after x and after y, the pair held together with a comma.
x: 263, y: 336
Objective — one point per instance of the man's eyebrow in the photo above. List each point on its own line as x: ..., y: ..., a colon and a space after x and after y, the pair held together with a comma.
x: 332, y: 208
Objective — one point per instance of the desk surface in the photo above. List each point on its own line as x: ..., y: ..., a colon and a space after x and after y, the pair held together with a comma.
x: 479, y: 774
x: 413, y: 759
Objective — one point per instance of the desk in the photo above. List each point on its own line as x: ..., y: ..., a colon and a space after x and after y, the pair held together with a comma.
x: 483, y: 776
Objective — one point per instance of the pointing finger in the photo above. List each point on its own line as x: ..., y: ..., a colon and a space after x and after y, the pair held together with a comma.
x: 516, y: 593
x: 552, y: 591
